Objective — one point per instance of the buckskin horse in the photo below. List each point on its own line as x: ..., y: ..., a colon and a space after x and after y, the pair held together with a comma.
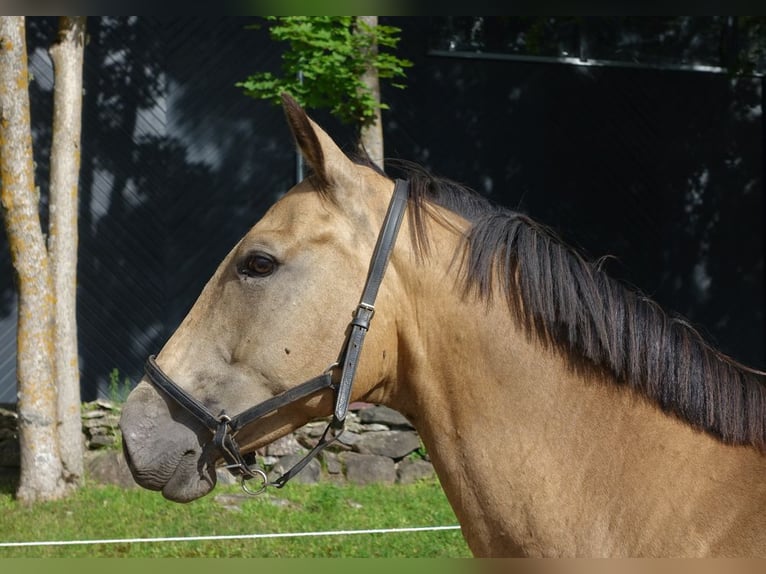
x: 565, y: 414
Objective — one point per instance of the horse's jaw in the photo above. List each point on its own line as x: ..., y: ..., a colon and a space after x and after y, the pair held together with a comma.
x: 164, y: 456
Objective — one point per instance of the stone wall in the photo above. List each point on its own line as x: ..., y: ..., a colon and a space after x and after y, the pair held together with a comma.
x: 9, y: 439
x: 378, y: 445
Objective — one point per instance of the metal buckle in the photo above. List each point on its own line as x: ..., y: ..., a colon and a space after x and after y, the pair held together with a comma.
x: 363, y: 316
x: 367, y: 307
x: 331, y: 368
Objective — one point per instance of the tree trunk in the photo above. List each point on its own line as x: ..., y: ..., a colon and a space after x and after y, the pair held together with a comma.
x: 67, y: 57
x: 371, y: 135
x: 41, y: 470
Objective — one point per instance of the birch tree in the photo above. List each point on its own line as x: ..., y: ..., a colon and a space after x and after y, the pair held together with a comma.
x: 46, y: 363
x: 371, y: 132
x: 67, y: 56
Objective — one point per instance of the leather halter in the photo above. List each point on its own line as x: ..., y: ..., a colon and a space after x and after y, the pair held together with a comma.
x: 224, y: 428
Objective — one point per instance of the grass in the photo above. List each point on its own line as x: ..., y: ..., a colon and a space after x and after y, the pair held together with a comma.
x: 107, y: 512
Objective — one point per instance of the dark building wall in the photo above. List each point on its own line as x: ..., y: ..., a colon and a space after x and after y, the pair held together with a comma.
x: 662, y: 170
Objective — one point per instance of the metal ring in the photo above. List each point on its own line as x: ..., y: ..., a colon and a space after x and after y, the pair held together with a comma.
x: 264, y: 482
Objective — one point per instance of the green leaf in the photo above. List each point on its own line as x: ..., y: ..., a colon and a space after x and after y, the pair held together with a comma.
x: 331, y: 53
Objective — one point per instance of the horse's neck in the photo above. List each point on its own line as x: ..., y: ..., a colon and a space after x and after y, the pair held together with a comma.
x: 489, y: 412
x: 533, y: 457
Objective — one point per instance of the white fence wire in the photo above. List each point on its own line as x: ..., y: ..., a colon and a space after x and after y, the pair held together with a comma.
x: 229, y: 536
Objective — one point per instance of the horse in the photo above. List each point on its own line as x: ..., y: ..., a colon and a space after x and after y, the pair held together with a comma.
x: 566, y: 414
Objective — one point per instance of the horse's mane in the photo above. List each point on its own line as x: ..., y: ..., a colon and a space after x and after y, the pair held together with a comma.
x: 570, y: 305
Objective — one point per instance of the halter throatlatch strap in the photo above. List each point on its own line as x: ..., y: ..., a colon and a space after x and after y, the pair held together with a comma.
x: 366, y: 308
x: 225, y: 428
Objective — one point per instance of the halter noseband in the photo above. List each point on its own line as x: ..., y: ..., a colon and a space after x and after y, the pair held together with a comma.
x: 225, y: 428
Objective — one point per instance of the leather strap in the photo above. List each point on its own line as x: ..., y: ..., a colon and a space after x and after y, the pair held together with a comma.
x: 161, y: 381
x: 323, y: 381
x: 366, y: 308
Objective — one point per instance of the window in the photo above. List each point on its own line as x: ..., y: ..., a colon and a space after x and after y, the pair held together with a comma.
x: 733, y: 44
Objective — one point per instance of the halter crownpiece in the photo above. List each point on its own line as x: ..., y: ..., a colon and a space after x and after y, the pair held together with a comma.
x: 224, y: 428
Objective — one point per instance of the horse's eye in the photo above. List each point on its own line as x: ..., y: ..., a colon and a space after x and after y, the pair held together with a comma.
x: 258, y: 265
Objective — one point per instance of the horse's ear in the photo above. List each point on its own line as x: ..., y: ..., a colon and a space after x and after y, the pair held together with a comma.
x: 326, y: 159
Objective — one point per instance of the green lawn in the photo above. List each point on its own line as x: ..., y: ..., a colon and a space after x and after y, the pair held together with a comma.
x: 108, y: 513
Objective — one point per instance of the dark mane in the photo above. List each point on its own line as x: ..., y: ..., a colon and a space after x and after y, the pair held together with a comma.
x: 567, y: 303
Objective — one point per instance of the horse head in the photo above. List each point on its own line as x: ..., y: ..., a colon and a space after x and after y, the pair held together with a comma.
x: 274, y: 313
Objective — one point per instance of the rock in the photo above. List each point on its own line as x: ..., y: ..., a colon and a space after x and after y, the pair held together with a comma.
x: 100, y: 424
x: 313, y: 429
x: 410, y: 471
x: 349, y: 438
x: 105, y: 420
x: 358, y: 406
x: 10, y: 455
x: 309, y: 475
x: 231, y: 502
x: 102, y: 440
x: 268, y: 460
x: 385, y: 416
x: 373, y: 448
x: 368, y: 468
x: 393, y: 444
x: 352, y: 423
x: 105, y: 404
x: 374, y: 427
x: 332, y: 464
x: 284, y: 446
x: 8, y: 419
x: 339, y: 446
x: 279, y: 502
x: 223, y: 476
x: 109, y: 467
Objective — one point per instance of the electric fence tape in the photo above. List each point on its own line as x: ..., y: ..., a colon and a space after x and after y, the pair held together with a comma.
x: 229, y: 536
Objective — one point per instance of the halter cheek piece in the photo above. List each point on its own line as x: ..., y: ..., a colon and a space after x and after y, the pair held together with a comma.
x: 224, y: 428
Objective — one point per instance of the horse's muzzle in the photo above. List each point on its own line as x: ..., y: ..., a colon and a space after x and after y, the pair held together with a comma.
x: 163, y: 454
